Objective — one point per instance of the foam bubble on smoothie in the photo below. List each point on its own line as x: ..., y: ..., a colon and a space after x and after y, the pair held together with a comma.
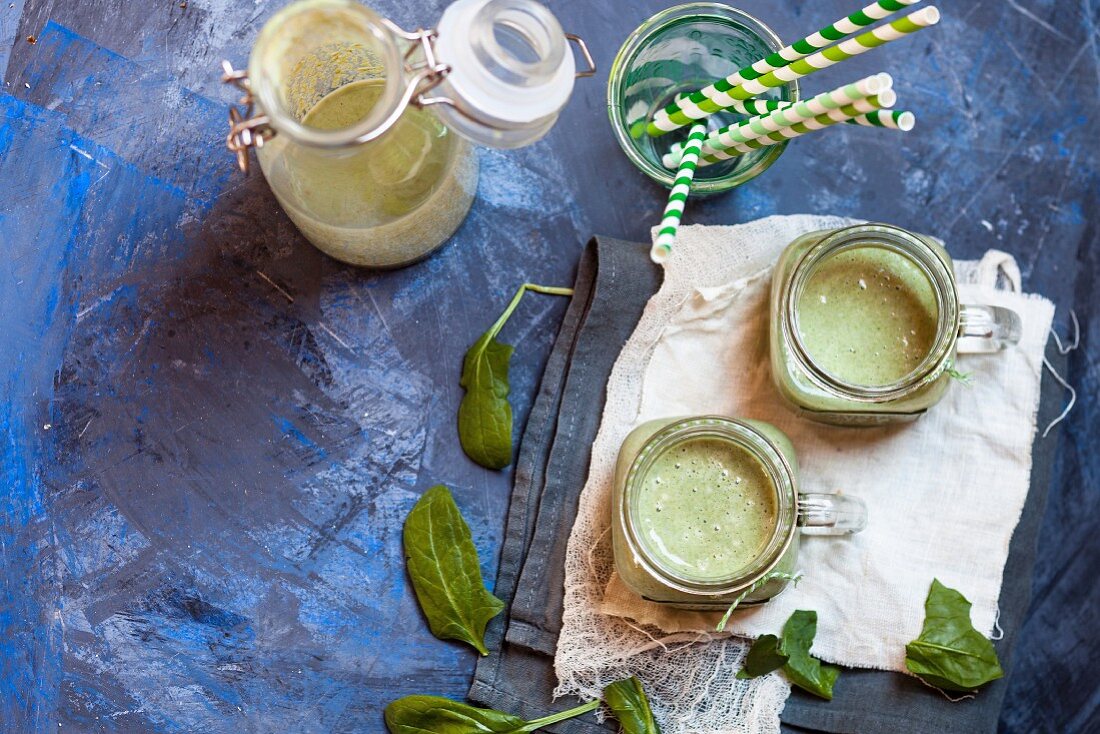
x: 868, y: 315
x: 713, y: 512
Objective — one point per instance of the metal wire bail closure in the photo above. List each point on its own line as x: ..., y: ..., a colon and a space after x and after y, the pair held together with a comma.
x: 250, y: 125
x: 585, y: 54
x: 249, y: 130
x: 245, y: 130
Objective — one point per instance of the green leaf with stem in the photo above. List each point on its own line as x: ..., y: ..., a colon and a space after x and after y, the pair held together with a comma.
x: 951, y: 654
x: 627, y: 700
x: 437, y: 715
x: 484, y: 415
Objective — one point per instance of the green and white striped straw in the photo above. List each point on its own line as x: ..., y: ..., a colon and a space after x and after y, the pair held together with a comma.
x: 757, y: 106
x: 750, y: 107
x: 902, y: 120
x: 756, y: 127
x: 848, y: 112
x: 753, y: 107
x: 676, y: 116
x: 894, y: 119
x: 801, y: 111
x: 670, y: 222
x: 713, y: 98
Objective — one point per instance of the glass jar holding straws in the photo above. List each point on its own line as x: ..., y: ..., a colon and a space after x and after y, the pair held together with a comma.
x: 676, y: 52
x: 735, y: 128
x: 364, y: 130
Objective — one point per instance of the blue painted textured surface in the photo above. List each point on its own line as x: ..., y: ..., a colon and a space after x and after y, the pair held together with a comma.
x: 205, y: 475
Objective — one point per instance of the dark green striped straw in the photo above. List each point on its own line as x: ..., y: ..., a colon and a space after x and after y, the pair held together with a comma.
x: 674, y: 210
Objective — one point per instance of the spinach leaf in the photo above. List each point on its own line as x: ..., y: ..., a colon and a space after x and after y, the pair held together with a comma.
x: 764, y: 657
x: 802, y: 670
x: 951, y: 654
x: 628, y: 702
x: 436, y: 715
x: 443, y: 566
x: 484, y: 415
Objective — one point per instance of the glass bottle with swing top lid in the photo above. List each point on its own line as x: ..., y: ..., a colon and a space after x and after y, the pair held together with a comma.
x: 364, y: 130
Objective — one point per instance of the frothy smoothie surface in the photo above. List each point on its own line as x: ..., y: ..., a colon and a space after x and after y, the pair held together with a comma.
x: 706, y: 508
x: 868, y: 315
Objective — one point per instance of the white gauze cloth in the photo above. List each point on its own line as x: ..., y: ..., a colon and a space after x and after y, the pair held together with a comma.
x: 943, y: 494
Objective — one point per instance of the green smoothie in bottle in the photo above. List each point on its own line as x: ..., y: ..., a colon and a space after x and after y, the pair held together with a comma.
x: 391, y: 179
x: 378, y: 203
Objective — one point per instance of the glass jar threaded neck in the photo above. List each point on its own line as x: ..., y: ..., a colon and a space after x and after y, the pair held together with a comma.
x: 312, y: 48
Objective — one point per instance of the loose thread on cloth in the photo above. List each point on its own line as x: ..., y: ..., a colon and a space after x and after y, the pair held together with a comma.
x: 1064, y: 349
x: 944, y: 693
x: 998, y: 633
x: 1076, y: 335
x: 1072, y: 396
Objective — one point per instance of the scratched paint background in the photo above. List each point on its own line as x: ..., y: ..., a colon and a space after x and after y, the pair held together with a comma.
x: 211, y: 433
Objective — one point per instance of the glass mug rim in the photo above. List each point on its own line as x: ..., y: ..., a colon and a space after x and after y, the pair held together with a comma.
x: 266, y: 88
x: 775, y: 464
x: 629, y: 50
x: 940, y: 276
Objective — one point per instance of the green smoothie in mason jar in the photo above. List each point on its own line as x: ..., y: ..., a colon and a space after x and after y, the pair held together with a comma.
x: 868, y: 315
x: 866, y: 321
x: 706, y: 510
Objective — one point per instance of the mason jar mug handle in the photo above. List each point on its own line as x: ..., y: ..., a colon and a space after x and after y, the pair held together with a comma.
x: 988, y: 329
x: 831, y: 514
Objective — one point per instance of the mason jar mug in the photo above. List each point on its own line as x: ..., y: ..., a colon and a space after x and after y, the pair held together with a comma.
x: 866, y: 322
x: 706, y: 510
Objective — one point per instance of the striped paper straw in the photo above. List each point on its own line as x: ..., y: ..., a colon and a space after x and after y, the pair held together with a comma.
x: 670, y: 222
x: 757, y: 106
x: 894, y: 119
x: 796, y: 70
x: 711, y: 99
x: 750, y: 107
x: 902, y: 120
x: 822, y: 104
x: 847, y: 112
x: 756, y: 127
x: 754, y: 107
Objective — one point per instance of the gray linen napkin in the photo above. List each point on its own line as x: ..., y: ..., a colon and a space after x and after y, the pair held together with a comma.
x: 615, y: 279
